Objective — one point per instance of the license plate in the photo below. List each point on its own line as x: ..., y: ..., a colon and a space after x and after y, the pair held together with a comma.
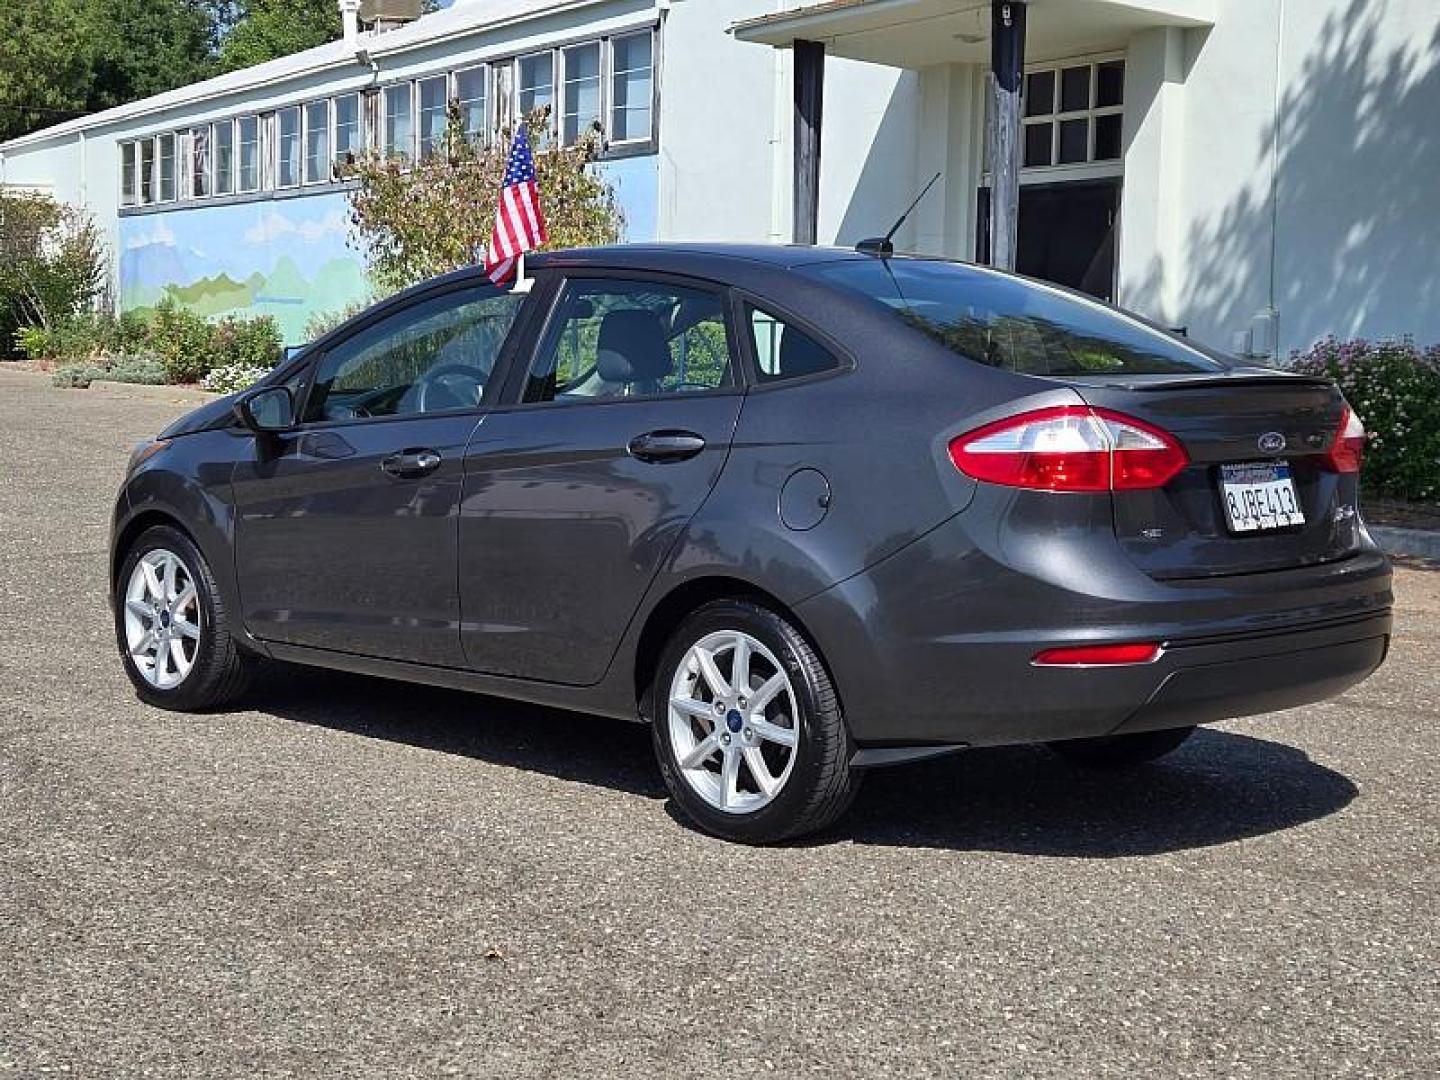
x: 1259, y: 495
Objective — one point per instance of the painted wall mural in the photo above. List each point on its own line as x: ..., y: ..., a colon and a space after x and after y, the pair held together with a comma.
x: 289, y: 257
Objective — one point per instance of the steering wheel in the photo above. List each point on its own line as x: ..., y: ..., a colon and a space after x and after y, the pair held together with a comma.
x: 441, y: 381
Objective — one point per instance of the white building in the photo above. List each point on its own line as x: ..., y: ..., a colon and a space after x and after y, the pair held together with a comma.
x: 1261, y: 172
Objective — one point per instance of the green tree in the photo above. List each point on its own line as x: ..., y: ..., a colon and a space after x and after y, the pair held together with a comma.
x: 412, y: 222
x: 144, y: 47
x: 45, y: 50
x: 52, y: 264
x: 265, y: 29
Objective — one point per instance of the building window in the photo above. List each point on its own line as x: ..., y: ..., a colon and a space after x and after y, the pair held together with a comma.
x: 470, y: 96
x: 582, y: 91
x: 199, y: 162
x: 165, y: 167
x: 317, y: 141
x: 147, y: 171
x: 349, y: 134
x: 398, y: 130
x: 248, y: 153
x: 536, y: 83
x: 127, y: 174
x: 287, y: 147
x: 225, y: 157
x: 1074, y: 114
x: 632, y: 87
x: 434, y: 98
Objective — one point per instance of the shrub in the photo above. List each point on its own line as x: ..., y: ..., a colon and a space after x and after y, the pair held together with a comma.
x: 1395, y: 387
x: 52, y: 264
x: 139, y: 368
x: 232, y: 378
x: 182, y: 340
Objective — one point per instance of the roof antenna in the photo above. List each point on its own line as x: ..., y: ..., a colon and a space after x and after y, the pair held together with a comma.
x: 881, y: 245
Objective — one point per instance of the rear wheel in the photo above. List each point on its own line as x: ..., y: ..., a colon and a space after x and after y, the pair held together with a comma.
x: 1122, y: 751
x: 747, y: 726
x: 173, y: 628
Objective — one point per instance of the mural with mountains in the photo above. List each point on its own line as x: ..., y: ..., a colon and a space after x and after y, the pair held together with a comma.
x: 286, y: 258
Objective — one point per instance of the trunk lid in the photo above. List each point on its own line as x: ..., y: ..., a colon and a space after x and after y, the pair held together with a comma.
x: 1180, y: 530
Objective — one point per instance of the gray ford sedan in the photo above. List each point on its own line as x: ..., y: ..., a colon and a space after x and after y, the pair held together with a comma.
x: 804, y: 511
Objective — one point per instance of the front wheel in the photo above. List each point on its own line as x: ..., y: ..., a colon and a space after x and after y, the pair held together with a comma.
x: 747, y: 726
x: 1122, y: 751
x: 173, y: 628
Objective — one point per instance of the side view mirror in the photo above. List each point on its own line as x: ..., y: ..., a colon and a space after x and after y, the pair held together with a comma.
x: 267, y: 410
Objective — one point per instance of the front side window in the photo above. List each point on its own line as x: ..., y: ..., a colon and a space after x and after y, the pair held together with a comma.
x: 433, y: 102
x: 1008, y: 323
x: 434, y: 356
x: 165, y: 155
x: 248, y: 156
x: 349, y: 134
x: 470, y: 96
x: 632, y: 88
x: 317, y: 142
x: 784, y: 351
x: 287, y: 147
x: 536, y: 82
x: 224, y: 157
x: 147, y: 171
x: 398, y: 132
x: 582, y: 91
x: 127, y: 174
x: 618, y: 339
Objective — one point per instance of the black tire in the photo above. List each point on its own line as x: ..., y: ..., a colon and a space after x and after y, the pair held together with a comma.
x: 221, y: 669
x: 1122, y: 751
x: 820, y: 785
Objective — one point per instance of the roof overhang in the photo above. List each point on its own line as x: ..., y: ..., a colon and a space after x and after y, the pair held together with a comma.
x: 918, y: 33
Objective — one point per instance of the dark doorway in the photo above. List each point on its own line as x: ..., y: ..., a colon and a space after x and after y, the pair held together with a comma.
x: 1067, y: 234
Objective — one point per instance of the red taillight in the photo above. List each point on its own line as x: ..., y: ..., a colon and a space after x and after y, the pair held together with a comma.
x: 1099, y: 655
x: 1348, y: 449
x: 1070, y: 448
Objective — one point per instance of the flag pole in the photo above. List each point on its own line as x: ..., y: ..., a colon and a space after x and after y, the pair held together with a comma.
x: 522, y: 283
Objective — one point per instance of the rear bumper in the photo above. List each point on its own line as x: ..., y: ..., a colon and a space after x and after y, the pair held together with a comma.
x: 934, y: 646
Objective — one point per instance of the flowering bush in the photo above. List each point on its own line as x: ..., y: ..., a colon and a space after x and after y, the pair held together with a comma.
x: 232, y: 378
x: 1395, y: 387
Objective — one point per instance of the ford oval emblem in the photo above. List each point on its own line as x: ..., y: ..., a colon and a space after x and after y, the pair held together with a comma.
x: 1272, y: 442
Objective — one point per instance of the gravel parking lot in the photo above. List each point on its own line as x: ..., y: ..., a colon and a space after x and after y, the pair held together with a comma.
x: 351, y: 877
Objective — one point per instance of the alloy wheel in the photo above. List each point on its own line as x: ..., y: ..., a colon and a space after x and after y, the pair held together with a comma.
x: 734, y: 725
x: 162, y: 619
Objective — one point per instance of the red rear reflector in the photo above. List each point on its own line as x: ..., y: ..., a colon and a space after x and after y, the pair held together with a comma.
x: 1098, y: 655
x: 1348, y: 449
x: 1070, y: 448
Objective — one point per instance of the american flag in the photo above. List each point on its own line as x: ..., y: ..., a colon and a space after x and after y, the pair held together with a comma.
x: 519, y: 223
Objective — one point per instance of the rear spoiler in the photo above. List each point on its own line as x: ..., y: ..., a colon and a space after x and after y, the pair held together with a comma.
x: 1189, y: 382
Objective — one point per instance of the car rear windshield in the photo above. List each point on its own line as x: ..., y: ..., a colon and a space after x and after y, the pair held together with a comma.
x: 1011, y: 323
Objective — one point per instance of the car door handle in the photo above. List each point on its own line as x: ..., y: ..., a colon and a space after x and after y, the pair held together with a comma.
x: 411, y: 464
x: 660, y: 446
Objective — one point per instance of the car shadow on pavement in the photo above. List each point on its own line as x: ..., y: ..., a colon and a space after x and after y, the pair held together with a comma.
x: 1216, y: 788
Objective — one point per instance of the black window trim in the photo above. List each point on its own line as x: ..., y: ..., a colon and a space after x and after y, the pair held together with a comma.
x: 512, y: 396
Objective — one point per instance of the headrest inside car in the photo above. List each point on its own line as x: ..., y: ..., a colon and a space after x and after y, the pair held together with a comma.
x: 632, y: 347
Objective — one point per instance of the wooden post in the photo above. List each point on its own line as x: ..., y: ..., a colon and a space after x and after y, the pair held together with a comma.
x: 809, y: 104
x: 1007, y: 61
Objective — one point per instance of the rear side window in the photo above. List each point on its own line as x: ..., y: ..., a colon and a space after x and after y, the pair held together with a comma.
x: 783, y: 351
x: 618, y: 339
x: 1009, y: 323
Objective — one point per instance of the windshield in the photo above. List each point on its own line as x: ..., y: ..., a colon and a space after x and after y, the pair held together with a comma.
x: 1011, y: 323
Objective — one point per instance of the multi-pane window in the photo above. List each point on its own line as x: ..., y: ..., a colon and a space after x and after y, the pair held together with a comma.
x: 248, y: 156
x: 349, y: 132
x: 582, y: 91
x: 147, y: 171
x: 165, y: 166
x: 433, y: 101
x: 1074, y: 114
x: 199, y: 162
x: 470, y: 97
x: 287, y: 147
x: 536, y: 82
x: 317, y: 141
x: 127, y: 174
x: 397, y: 133
x: 632, y: 87
x: 224, y: 157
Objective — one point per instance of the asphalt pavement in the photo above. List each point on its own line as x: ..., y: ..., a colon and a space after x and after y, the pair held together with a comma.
x: 348, y: 877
